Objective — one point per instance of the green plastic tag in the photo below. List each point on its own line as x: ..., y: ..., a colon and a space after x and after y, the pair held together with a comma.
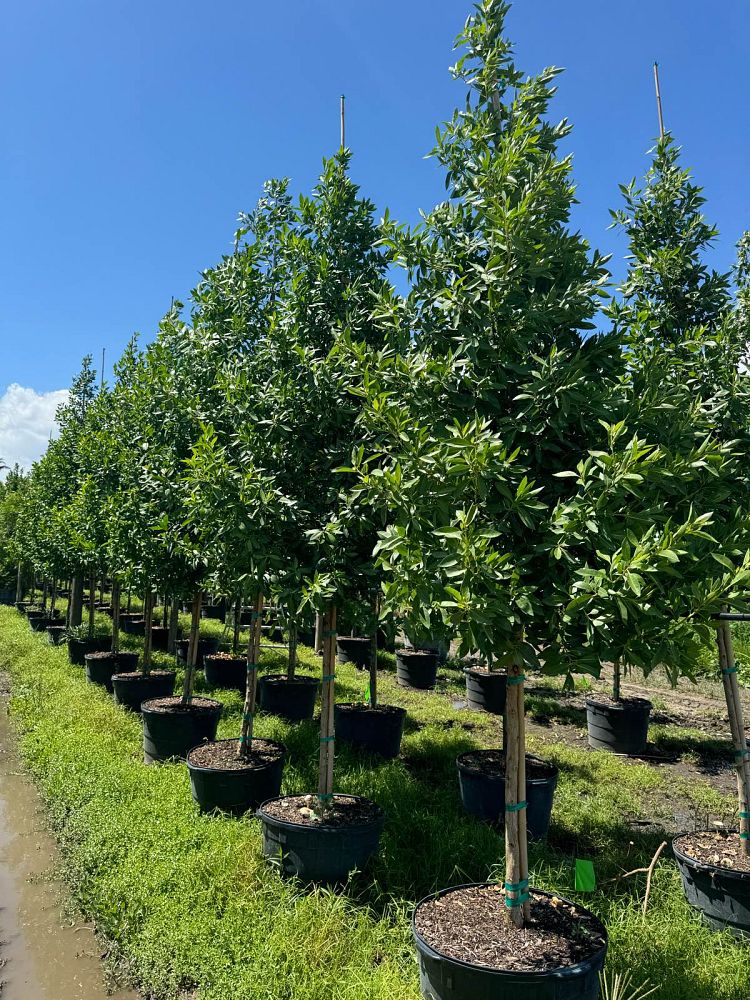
x: 585, y: 877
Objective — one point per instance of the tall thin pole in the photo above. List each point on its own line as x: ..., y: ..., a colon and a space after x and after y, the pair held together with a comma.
x: 101, y: 379
x: 343, y: 121
x: 658, y: 100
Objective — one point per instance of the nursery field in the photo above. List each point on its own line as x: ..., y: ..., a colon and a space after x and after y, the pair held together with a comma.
x: 187, y: 907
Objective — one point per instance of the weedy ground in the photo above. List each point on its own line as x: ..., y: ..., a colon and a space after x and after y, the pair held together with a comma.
x: 191, y: 909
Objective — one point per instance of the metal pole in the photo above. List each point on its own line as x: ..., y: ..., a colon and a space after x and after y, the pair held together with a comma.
x: 658, y: 100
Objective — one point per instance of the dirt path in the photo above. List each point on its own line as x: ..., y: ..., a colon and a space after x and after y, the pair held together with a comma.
x: 43, y: 954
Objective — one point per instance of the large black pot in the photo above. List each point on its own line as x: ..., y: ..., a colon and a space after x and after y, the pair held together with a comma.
x: 443, y: 978
x: 485, y: 690
x: 40, y: 623
x: 483, y: 795
x: 172, y: 735
x: 327, y: 854
x: 224, y: 673
x: 621, y: 727
x: 206, y: 647
x: 56, y: 634
x: 238, y: 790
x: 133, y: 626
x: 354, y: 649
x: 720, y: 895
x: 293, y: 700
x: 160, y: 637
x: 131, y: 689
x: 375, y: 730
x: 215, y: 611
x: 22, y: 605
x: 416, y: 668
x: 101, y: 666
x: 77, y: 648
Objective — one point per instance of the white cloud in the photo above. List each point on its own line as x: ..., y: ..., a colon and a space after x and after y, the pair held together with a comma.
x: 27, y: 418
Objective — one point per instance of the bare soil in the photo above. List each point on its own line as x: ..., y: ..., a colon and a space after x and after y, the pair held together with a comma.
x: 223, y: 755
x: 174, y: 706
x: 472, y: 925
x: 343, y: 811
x: 491, y: 763
x: 716, y: 848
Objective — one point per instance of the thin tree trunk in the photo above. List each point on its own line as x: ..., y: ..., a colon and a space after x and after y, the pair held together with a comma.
x: 44, y: 594
x: 616, y: 685
x: 516, y: 848
x: 75, y: 604
x: 236, y: 626
x: 174, y: 621
x: 148, y: 636
x: 53, y: 599
x: 101, y: 591
x: 374, y: 659
x: 192, y: 657
x: 115, y: 616
x: 318, y: 632
x: 327, y: 736
x: 92, y: 605
x: 292, y: 665
x: 251, y: 684
x: 737, y: 728
x: 130, y: 598
x: 19, y: 583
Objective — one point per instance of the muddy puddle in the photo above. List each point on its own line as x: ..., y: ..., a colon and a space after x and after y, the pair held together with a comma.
x: 44, y: 955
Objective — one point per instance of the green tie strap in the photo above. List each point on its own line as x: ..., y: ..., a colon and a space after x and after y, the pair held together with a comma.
x: 513, y: 904
x: 329, y: 677
x: 519, y: 679
x: 327, y: 739
x: 517, y: 807
x: 515, y: 886
x: 729, y: 670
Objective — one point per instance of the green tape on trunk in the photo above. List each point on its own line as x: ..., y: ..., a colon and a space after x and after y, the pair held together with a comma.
x: 729, y: 670
x: 513, y: 904
x: 515, y: 886
x: 327, y: 739
x: 517, y: 680
x: 329, y: 677
x: 517, y: 807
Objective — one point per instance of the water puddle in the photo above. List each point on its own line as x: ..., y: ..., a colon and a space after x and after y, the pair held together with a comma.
x: 43, y: 956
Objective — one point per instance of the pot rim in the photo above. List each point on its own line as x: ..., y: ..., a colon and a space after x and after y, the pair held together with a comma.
x: 704, y: 866
x: 204, y: 709
x: 131, y: 676
x: 485, y: 673
x: 621, y: 707
x: 237, y: 770
x: 298, y: 678
x: 554, y: 771
x: 326, y: 828
x: 361, y: 707
x: 505, y: 973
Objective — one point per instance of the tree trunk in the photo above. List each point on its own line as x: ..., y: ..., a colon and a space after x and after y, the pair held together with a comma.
x: 174, y: 621
x: 92, y: 605
x: 53, y: 598
x: 374, y: 659
x: 737, y: 728
x: 516, y: 843
x: 44, y: 594
x: 236, y: 626
x: 192, y: 657
x: 19, y: 583
x: 327, y: 737
x: 75, y: 604
x: 115, y: 616
x: 251, y: 685
x: 148, y: 637
x: 318, y: 632
x: 616, y: 684
x: 130, y: 598
x: 292, y: 665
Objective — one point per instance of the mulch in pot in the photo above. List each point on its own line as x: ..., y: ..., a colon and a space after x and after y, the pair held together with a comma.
x: 472, y: 925
x: 719, y: 848
x: 174, y: 706
x: 343, y: 811
x: 354, y: 708
x: 610, y: 702
x: 223, y: 755
x: 492, y: 764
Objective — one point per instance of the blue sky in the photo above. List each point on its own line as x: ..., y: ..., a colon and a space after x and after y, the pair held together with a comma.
x: 134, y: 132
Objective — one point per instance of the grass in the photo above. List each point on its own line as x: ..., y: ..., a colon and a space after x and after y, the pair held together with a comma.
x: 193, y: 910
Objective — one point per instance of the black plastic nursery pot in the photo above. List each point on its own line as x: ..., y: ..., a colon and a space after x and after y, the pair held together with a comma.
x: 171, y: 729
x: 293, y: 699
x: 416, y: 668
x: 101, y: 666
x: 215, y: 611
x: 133, y: 626
x: 482, y: 784
x: 56, y: 634
x: 236, y: 790
x: 226, y: 672
x: 77, y: 648
x: 376, y: 730
x: 354, y: 649
x: 444, y: 978
x: 306, y: 637
x: 621, y: 727
x: 22, y: 605
x: 132, y: 689
x: 485, y: 690
x: 206, y: 647
x: 40, y: 623
x: 160, y: 638
x: 320, y: 853
x: 721, y: 895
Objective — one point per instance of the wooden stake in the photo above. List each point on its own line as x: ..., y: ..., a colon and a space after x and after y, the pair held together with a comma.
x: 737, y: 727
x: 513, y: 869
x: 115, y: 616
x: 236, y: 625
x: 19, y: 583
x: 658, y: 100
x: 251, y: 684
x: 148, y: 636
x: 292, y: 666
x: 523, y: 839
x: 192, y: 657
x: 318, y: 632
x: 343, y: 122
x: 92, y: 604
x: 327, y: 700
